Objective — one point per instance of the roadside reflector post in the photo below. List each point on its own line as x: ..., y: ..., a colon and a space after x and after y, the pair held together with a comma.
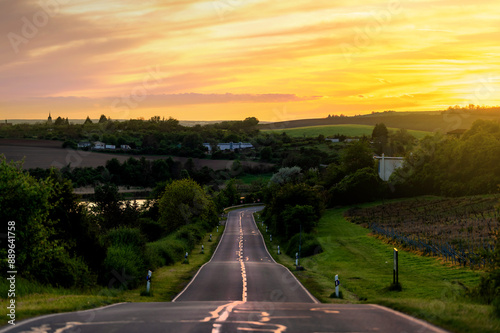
x: 202, y: 249
x: 210, y: 238
x: 279, y: 250
x: 266, y: 228
x: 395, y: 278
x: 296, y: 259
x: 337, y: 284
x: 217, y: 228
x: 148, y: 281
x: 271, y: 238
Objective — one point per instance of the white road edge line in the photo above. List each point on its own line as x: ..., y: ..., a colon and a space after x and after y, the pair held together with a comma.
x: 270, y: 256
x: 213, y: 255
x: 421, y: 322
x: 27, y: 321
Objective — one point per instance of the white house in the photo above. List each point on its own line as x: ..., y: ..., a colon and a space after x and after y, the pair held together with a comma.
x: 125, y: 147
x: 99, y: 145
x: 230, y: 146
x: 110, y: 147
x: 387, y: 165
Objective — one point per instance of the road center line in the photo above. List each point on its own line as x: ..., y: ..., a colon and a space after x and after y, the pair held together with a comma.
x: 242, y: 264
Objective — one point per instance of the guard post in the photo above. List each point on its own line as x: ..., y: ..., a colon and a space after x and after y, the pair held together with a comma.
x: 337, y: 284
x: 148, y: 281
x: 395, y: 278
x: 296, y: 259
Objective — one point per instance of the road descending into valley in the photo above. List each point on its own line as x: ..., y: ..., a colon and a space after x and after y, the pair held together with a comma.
x: 241, y: 289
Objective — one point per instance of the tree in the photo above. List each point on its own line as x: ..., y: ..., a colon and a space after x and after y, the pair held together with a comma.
x: 59, y: 121
x: 108, y: 205
x: 266, y: 154
x: 286, y: 198
x: 286, y: 175
x: 103, y: 119
x: 193, y: 141
x: 49, y: 226
x: 88, y: 121
x: 25, y: 202
x: 357, y: 156
x: 361, y: 186
x: 380, y: 137
x: 184, y: 202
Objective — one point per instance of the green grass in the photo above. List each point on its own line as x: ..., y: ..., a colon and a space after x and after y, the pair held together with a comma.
x: 431, y: 290
x: 33, y: 299
x: 347, y: 130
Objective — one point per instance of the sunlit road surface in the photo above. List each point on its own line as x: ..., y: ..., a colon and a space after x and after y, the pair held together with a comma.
x: 241, y: 289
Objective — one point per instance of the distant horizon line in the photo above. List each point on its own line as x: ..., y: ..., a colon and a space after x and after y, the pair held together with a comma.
x: 220, y: 120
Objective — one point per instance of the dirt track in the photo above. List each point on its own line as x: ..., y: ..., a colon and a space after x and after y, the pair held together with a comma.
x: 45, y: 154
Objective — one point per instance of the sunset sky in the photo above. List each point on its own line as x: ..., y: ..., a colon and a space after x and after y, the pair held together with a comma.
x: 231, y: 59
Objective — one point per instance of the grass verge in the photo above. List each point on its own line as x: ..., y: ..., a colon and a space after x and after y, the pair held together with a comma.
x: 33, y: 299
x: 431, y: 290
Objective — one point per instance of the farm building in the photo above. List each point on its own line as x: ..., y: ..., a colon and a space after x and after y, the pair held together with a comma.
x: 99, y: 145
x: 84, y: 144
x: 230, y: 146
x: 387, y: 165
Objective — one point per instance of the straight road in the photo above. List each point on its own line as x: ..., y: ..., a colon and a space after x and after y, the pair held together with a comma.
x: 241, y: 289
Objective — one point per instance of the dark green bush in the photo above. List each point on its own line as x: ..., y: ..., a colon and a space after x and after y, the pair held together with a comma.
x: 153, y: 230
x: 124, y: 266
x: 64, y: 271
x: 126, y: 236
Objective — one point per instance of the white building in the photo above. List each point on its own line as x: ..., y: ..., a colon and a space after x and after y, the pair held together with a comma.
x: 84, y: 144
x: 110, y: 147
x: 230, y: 146
x: 387, y: 165
x: 99, y: 145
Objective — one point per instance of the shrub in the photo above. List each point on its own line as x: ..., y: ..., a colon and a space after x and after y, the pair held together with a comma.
x: 64, y: 271
x: 124, y: 266
x: 152, y: 230
x: 126, y: 236
x: 310, y: 245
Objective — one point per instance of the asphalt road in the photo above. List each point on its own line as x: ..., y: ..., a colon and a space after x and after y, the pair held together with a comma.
x: 241, y: 289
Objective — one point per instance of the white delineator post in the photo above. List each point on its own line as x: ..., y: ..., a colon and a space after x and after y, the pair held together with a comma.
x: 148, y: 279
x: 395, y: 278
x: 337, y: 284
x: 279, y: 250
x: 296, y: 258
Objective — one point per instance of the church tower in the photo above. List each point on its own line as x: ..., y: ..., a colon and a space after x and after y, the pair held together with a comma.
x: 49, y: 119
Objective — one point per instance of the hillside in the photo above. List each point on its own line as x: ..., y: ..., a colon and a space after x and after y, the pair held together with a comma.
x: 331, y: 130
x: 433, y: 121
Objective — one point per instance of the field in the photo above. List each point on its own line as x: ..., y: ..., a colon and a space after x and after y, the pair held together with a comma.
x: 431, y: 290
x: 459, y: 230
x: 46, y: 153
x: 330, y: 130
